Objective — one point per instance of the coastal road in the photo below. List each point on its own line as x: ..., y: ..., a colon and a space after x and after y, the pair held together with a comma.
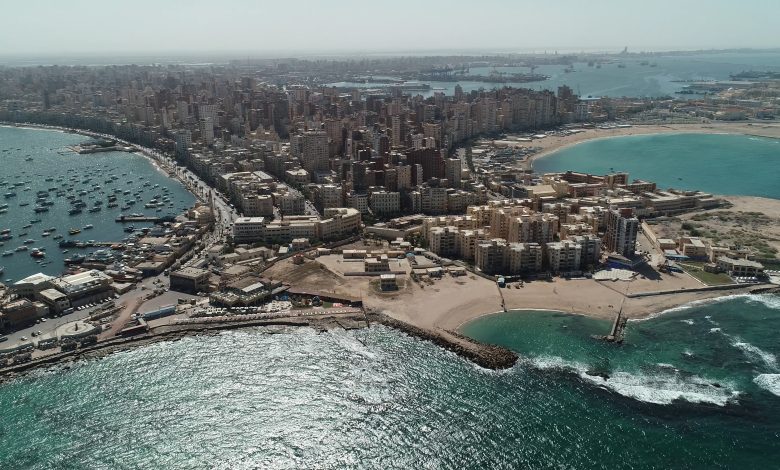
x: 49, y: 325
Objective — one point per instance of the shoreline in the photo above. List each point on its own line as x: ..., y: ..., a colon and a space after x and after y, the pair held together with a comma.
x: 484, y: 355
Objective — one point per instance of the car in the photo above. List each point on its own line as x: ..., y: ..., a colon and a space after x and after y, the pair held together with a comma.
x: 43, y: 320
x: 38, y: 333
x: 24, y: 338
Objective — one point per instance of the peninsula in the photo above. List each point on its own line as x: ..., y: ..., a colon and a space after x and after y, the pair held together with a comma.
x: 339, y: 208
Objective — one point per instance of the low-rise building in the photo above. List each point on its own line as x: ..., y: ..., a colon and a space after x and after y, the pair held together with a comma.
x: 85, y: 287
x: 377, y: 264
x: 740, y: 267
x: 388, y: 282
x: 190, y: 280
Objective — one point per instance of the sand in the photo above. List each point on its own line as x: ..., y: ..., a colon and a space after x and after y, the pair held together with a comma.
x: 451, y: 302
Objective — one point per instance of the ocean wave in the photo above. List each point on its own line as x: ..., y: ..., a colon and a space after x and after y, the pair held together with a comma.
x: 769, y: 300
x: 769, y: 382
x: 715, y: 330
x: 755, y: 352
x: 663, y: 388
x: 687, y: 321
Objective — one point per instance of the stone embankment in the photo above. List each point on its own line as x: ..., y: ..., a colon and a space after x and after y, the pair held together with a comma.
x: 484, y: 355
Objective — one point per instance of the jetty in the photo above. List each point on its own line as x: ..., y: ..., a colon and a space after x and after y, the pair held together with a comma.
x: 143, y: 218
x: 617, y: 332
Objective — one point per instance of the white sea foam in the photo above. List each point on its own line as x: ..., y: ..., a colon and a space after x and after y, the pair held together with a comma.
x: 687, y: 321
x: 754, y: 352
x: 769, y: 382
x: 663, y: 388
x: 769, y: 300
x: 715, y: 330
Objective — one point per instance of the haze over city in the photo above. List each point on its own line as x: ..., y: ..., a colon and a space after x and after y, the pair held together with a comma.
x: 81, y: 27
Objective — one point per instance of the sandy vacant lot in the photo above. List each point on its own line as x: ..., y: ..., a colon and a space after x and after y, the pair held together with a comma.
x: 751, y: 222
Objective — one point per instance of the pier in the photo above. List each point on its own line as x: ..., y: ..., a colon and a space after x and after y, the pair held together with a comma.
x: 143, y: 218
x: 617, y: 331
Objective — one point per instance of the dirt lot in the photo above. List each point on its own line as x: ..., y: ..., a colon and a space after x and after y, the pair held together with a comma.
x: 751, y: 222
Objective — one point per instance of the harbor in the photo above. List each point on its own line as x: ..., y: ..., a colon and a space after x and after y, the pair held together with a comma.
x: 59, y: 205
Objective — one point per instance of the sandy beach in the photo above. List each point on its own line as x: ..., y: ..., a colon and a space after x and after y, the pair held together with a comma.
x: 451, y: 302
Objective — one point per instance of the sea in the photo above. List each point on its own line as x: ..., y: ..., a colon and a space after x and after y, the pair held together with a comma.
x: 716, y: 163
x: 636, y: 77
x: 34, y: 160
x: 697, y: 387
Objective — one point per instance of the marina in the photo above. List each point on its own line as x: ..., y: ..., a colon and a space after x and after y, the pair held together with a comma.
x: 76, y: 198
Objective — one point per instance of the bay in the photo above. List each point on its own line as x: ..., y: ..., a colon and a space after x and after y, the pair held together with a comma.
x: 40, y: 161
x: 715, y: 163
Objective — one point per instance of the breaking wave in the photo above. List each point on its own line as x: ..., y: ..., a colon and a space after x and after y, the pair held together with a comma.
x: 769, y: 300
x: 664, y: 387
x: 769, y: 382
x: 755, y: 352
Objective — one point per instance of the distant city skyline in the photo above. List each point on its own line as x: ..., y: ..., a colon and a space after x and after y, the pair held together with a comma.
x: 262, y: 28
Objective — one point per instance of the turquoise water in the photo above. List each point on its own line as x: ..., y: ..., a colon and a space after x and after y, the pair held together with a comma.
x: 635, y: 80
x: 51, y: 160
x: 719, y: 164
x: 379, y: 399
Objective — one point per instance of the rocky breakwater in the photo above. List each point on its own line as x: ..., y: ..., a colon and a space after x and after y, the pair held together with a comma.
x: 484, y: 355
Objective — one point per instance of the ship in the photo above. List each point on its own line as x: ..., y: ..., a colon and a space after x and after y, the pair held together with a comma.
x: 75, y: 259
x: 37, y: 253
x: 74, y: 231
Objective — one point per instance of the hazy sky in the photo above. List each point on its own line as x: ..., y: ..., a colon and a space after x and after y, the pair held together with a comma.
x: 39, y: 27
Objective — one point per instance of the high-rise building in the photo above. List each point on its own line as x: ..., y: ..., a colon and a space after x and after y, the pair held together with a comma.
x: 622, y: 228
x: 452, y: 170
x: 314, y: 151
x: 207, y: 130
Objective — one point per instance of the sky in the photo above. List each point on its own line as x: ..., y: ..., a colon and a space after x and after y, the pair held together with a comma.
x: 265, y: 27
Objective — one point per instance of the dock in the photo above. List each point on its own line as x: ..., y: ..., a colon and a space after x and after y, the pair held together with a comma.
x: 617, y: 332
x: 143, y: 218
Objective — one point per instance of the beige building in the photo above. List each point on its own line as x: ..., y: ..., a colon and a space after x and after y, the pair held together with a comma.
x: 378, y: 264
x: 740, y: 267
x: 524, y: 258
x: 564, y: 256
